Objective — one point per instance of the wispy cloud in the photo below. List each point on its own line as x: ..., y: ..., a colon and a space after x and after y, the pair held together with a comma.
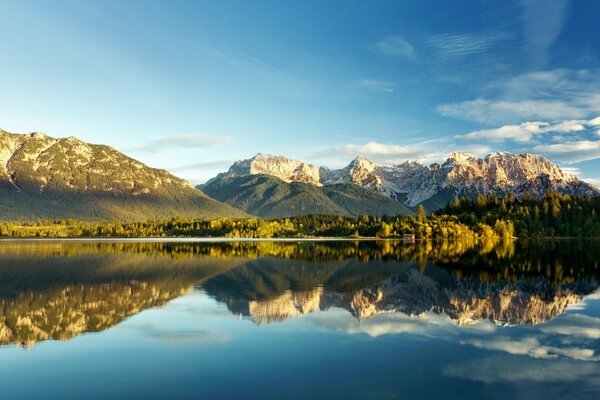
x: 548, y: 95
x: 397, y: 46
x: 494, y: 111
x: 525, y: 131
x: 377, y: 85
x: 575, y: 325
x: 571, y: 151
x: 567, y: 141
x: 425, y: 152
x: 543, y: 21
x: 532, y: 347
x: 203, y: 165
x: 449, y: 46
x: 182, y: 141
x: 511, y: 369
x: 379, y: 152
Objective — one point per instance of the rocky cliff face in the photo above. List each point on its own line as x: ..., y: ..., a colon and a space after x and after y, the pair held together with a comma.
x: 36, y: 162
x: 281, y: 167
x: 412, y: 183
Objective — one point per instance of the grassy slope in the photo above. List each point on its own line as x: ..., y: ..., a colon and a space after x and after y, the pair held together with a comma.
x: 270, y: 197
x: 186, y: 202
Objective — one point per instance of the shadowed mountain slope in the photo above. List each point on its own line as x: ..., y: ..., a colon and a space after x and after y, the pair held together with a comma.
x: 270, y: 197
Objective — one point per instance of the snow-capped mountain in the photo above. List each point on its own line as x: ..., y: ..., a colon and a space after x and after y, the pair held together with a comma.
x: 413, y: 183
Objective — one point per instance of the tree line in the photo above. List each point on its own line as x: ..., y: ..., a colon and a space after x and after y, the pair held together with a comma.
x: 486, y: 217
x: 420, y: 225
x: 554, y: 215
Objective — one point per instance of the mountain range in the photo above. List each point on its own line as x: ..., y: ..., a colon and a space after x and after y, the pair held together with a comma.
x: 412, y: 183
x: 47, y: 178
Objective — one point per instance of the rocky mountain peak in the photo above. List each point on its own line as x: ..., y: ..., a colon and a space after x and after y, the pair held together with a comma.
x: 38, y: 135
x: 288, y: 170
x: 461, y: 157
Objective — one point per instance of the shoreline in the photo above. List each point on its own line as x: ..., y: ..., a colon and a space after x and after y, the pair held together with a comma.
x: 227, y: 239
x: 200, y: 239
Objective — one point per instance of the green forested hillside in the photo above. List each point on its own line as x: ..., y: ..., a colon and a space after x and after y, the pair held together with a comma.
x: 270, y: 197
x: 554, y: 215
x: 184, y: 202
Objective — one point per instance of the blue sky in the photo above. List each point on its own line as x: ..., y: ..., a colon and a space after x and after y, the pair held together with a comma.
x: 192, y: 86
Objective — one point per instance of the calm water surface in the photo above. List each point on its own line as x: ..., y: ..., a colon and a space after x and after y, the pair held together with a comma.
x: 273, y: 320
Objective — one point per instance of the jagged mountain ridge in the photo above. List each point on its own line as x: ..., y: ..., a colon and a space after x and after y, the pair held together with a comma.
x: 413, y: 183
x: 45, y: 177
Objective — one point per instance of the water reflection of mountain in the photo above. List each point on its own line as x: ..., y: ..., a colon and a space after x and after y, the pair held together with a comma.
x: 59, y: 297
x: 464, y: 300
x: 529, y: 286
x: 53, y: 290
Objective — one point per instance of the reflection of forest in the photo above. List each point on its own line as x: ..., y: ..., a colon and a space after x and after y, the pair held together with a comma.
x: 56, y: 290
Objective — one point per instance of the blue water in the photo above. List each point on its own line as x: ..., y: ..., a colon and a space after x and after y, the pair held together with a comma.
x: 268, y: 325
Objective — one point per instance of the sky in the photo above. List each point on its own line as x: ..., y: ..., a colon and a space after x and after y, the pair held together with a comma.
x: 191, y: 86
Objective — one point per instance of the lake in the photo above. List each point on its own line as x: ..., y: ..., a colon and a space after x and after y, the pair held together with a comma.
x: 297, y: 320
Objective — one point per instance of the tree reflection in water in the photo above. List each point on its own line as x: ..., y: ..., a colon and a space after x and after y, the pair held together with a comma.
x: 58, y: 290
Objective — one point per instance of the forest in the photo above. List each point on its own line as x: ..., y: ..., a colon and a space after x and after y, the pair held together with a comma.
x: 554, y: 215
x: 487, y: 217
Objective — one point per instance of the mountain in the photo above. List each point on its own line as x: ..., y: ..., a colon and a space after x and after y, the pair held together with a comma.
x: 461, y: 175
x: 46, y: 178
x: 283, y: 168
x: 412, y: 183
x: 271, y: 197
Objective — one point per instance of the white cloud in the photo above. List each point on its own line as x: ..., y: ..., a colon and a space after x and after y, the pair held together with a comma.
x: 574, y: 325
x: 593, y: 181
x: 397, y: 46
x: 533, y: 348
x: 595, y: 121
x: 525, y: 131
x: 503, y: 369
x: 379, y: 152
x: 371, y: 148
x: 427, y: 324
x: 427, y: 152
x: 453, y: 46
x: 571, y: 151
